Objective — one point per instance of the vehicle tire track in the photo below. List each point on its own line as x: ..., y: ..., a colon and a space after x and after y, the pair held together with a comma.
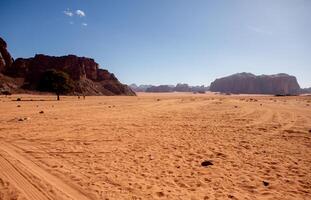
x: 19, y: 181
x: 24, y: 185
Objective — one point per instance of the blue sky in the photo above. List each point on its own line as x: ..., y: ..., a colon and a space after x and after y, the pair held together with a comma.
x: 167, y: 41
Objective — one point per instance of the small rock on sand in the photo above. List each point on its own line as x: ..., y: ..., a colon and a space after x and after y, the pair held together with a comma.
x: 206, y: 163
x: 23, y: 119
x: 160, y: 194
x: 265, y: 183
x: 41, y: 112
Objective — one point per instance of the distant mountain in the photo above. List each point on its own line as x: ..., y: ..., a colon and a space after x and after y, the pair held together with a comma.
x: 160, y: 88
x: 247, y: 83
x: 305, y: 90
x: 24, y: 74
x: 180, y: 87
x: 140, y: 88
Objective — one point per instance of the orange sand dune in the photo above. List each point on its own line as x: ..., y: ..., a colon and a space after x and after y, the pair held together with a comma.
x: 151, y: 147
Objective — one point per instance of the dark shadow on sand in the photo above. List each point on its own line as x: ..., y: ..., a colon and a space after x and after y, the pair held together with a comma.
x: 36, y: 100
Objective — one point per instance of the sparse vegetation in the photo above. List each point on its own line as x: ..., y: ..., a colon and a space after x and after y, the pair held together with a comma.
x: 56, y: 81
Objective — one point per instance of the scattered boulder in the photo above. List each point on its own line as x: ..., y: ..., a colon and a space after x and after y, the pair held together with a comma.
x: 206, y: 163
x: 265, y: 183
x: 160, y: 194
x: 23, y: 119
x: 18, y: 99
x: 41, y: 112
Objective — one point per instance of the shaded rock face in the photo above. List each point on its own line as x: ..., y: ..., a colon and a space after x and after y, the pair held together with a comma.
x: 182, y: 88
x: 77, y: 67
x: 247, y: 83
x: 160, y: 88
x: 5, y: 58
x: 8, y: 84
x: 305, y: 90
x: 88, y: 78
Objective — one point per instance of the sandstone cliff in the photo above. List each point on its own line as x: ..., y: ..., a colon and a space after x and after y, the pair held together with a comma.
x: 247, y: 83
x: 5, y: 58
x: 88, y: 78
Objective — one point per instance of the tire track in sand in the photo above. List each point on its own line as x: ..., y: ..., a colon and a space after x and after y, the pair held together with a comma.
x: 19, y: 181
x: 26, y: 186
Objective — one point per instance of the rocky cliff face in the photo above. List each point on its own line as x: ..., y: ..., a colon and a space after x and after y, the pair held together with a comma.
x: 88, y: 78
x: 247, y: 83
x: 5, y: 58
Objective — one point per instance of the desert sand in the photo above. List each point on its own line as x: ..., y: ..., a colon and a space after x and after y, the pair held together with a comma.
x: 152, y: 146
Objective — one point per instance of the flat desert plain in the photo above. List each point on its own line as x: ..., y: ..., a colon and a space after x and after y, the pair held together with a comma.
x: 152, y: 146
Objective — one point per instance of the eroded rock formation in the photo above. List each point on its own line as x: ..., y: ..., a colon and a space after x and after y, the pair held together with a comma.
x: 5, y: 58
x: 247, y: 83
x: 88, y: 78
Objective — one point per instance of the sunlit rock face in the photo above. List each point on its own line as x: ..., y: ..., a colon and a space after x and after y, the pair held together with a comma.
x: 247, y: 83
x: 88, y: 78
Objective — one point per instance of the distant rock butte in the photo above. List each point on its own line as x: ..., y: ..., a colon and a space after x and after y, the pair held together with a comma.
x: 247, y: 83
x: 88, y: 78
x: 160, y: 88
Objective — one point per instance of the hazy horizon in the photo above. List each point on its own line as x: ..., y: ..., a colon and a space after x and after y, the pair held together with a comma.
x: 167, y: 42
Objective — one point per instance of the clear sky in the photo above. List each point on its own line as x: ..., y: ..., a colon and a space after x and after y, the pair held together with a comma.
x: 167, y: 41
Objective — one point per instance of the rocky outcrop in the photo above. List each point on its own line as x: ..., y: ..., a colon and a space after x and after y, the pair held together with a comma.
x: 161, y: 88
x: 247, y: 83
x: 180, y: 87
x: 88, y: 78
x: 5, y: 58
x: 8, y: 84
x: 183, y: 87
x: 140, y: 88
x: 305, y: 90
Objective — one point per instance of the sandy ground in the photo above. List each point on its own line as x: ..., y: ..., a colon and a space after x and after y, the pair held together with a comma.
x: 152, y: 146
